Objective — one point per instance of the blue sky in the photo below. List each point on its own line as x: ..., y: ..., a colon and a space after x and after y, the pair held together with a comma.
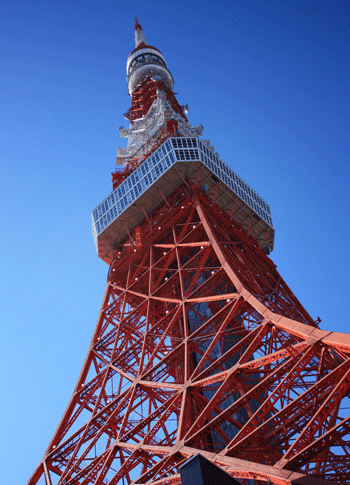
x: 269, y: 82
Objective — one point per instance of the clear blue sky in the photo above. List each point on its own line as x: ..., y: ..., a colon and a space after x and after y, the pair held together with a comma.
x: 269, y: 82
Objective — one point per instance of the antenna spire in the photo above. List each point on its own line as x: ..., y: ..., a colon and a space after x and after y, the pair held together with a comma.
x: 139, y: 35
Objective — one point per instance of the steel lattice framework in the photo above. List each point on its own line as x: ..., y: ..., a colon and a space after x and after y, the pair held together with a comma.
x: 200, y: 346
x: 199, y: 334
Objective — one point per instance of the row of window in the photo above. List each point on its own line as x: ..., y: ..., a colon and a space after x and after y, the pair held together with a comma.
x: 182, y: 155
x: 224, y: 168
x: 149, y: 58
x: 238, y: 186
x: 152, y: 168
x: 130, y: 182
x: 184, y: 142
x: 140, y: 181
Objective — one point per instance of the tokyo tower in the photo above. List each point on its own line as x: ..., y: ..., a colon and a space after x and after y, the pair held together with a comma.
x: 200, y: 346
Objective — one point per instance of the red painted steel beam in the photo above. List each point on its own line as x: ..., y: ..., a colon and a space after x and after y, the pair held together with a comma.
x: 202, y: 349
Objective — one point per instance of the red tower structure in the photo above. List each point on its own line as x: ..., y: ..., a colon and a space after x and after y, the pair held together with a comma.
x: 200, y: 346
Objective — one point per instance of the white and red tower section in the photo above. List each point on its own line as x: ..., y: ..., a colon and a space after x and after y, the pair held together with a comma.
x: 155, y: 113
x: 200, y: 346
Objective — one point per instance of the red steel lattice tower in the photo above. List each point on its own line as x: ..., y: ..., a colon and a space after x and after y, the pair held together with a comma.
x: 200, y: 346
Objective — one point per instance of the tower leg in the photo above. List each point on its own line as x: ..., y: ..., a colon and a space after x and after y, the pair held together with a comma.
x: 200, y: 346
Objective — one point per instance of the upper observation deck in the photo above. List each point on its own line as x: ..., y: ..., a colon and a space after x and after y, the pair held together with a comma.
x: 159, y: 175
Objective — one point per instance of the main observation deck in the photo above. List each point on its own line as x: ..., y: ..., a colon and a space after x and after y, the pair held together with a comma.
x: 160, y: 174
